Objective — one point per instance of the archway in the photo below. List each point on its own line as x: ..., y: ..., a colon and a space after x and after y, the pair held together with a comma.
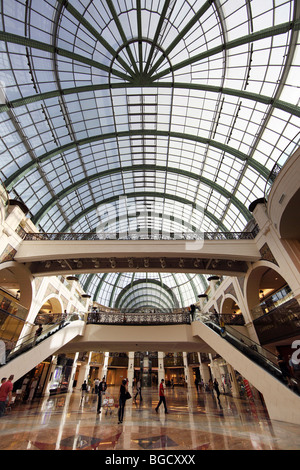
x: 50, y: 311
x: 230, y: 306
x: 273, y: 308
x: 18, y: 281
x: 263, y: 282
x: 16, y: 294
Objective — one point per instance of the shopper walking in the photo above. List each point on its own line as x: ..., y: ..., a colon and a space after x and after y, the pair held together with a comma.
x: 162, y: 398
x: 6, y: 392
x: 101, y: 391
x: 122, y: 400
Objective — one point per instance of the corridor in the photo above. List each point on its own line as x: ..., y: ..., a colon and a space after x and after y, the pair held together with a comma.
x: 196, y: 421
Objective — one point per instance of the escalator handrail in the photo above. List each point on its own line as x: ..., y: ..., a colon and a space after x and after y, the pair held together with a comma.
x: 270, y: 365
x: 33, y: 341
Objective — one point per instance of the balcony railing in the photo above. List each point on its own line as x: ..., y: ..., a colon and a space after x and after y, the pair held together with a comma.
x: 281, y: 323
x: 142, y: 236
x: 130, y: 319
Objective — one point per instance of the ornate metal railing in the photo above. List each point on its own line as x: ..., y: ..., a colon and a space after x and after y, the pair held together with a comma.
x: 144, y: 236
x: 138, y: 318
x: 228, y: 318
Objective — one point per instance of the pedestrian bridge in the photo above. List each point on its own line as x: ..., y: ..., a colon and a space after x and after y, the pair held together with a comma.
x: 53, y: 254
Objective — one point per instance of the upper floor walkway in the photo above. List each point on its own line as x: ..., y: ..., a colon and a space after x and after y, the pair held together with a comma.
x: 66, y: 253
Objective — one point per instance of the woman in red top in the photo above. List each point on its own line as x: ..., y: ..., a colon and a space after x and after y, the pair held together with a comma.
x: 162, y: 398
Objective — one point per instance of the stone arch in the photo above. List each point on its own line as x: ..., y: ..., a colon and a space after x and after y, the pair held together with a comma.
x: 228, y: 303
x: 54, y: 302
x: 262, y: 275
x: 22, y: 278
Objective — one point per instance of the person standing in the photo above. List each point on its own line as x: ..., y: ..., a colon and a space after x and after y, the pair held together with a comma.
x: 122, y: 400
x: 138, y: 390
x: 162, y: 398
x: 286, y: 374
x: 32, y: 388
x: 216, y: 387
x: 83, y: 390
x: 6, y: 392
x: 96, y: 385
x: 101, y: 391
x: 192, y: 312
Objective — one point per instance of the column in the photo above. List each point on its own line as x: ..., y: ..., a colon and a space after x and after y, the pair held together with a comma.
x: 199, y: 358
x: 51, y: 372
x: 235, y: 387
x: 84, y: 372
x: 204, y: 371
x: 201, y: 302
x: 212, y: 367
x: 130, y: 371
x: 187, y: 375
x: 212, y: 283
x: 105, y: 365
x: 72, y: 376
x: 161, y: 368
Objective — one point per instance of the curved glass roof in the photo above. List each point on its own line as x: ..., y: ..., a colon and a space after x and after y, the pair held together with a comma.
x: 133, y: 291
x: 179, y: 107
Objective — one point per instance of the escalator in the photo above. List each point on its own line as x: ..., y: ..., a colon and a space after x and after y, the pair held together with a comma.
x: 31, y: 351
x: 257, y: 365
x: 253, y: 351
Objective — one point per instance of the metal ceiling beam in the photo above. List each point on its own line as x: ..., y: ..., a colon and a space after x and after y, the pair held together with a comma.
x: 97, y: 176
x: 99, y: 286
x: 12, y: 180
x: 111, y: 297
x: 252, y: 37
x: 141, y: 194
x: 122, y: 34
x: 267, y: 100
x: 97, y: 35
x: 182, y: 33
x: 33, y: 43
x: 140, y: 34
x: 161, y: 21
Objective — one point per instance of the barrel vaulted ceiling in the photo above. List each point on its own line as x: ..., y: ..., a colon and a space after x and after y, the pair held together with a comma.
x: 180, y: 107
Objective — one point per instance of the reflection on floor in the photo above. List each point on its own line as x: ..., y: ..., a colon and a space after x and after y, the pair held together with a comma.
x: 196, y: 421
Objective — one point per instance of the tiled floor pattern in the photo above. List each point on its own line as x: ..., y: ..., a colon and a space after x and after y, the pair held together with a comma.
x: 194, y: 422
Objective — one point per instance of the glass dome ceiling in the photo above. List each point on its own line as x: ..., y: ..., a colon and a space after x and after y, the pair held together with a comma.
x: 181, y: 107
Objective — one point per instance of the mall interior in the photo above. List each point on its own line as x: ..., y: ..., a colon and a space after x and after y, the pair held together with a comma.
x: 149, y: 224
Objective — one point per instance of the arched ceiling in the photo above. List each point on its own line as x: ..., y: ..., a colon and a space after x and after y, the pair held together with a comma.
x: 132, y: 291
x: 181, y: 108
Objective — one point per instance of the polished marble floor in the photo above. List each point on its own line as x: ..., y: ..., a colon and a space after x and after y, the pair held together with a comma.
x: 196, y: 421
